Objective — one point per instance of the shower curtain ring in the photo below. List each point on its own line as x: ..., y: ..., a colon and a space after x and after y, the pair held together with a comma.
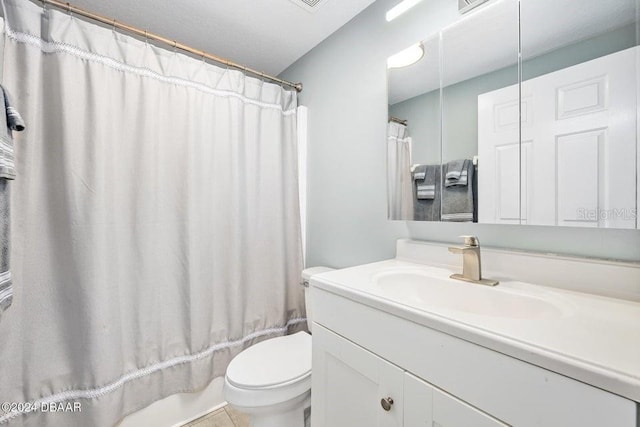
x: 204, y: 60
x: 69, y: 11
x: 146, y: 37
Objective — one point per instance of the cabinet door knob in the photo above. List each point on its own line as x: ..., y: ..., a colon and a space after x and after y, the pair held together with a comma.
x: 386, y: 403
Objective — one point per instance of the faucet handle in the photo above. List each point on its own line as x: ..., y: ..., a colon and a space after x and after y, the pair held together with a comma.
x: 471, y: 241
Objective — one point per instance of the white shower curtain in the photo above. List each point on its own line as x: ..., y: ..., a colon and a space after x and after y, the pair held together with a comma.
x: 156, y: 226
x: 399, y: 183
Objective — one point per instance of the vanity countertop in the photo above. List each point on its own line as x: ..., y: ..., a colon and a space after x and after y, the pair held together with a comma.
x: 590, y: 338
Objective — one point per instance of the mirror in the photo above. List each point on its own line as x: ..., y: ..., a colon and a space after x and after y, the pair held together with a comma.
x: 550, y: 139
x: 579, y: 152
x: 438, y: 98
x: 413, y: 130
x: 480, y: 57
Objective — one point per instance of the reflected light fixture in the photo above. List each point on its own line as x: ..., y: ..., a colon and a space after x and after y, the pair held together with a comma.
x: 406, y: 57
x: 401, y: 8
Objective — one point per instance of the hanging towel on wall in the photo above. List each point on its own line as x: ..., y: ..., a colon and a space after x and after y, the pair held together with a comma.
x: 458, y: 199
x: 425, y: 208
x: 424, y: 178
x: 457, y: 173
x: 9, y: 121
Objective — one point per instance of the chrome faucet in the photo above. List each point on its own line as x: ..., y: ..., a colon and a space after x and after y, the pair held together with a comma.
x: 471, y: 264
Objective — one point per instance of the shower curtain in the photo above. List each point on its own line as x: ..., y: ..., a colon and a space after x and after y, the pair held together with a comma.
x: 399, y: 183
x: 155, y: 220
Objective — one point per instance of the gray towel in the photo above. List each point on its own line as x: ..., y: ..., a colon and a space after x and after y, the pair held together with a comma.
x: 458, y: 200
x: 457, y: 173
x: 419, y: 172
x: 6, y: 289
x: 427, y: 209
x: 424, y: 180
x: 10, y: 120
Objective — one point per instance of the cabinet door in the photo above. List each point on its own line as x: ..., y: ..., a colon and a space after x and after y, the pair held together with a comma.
x: 349, y: 384
x: 427, y: 406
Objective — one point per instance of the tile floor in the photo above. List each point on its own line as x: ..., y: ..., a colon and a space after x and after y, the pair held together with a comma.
x: 223, y: 417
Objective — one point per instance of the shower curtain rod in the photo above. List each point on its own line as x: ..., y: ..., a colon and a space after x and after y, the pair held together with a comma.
x: 151, y: 36
x: 397, y: 120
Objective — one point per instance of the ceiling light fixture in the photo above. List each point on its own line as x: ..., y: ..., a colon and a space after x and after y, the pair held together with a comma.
x: 406, y: 57
x: 401, y: 8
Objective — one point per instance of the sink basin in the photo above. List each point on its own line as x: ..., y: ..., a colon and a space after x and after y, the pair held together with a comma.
x: 422, y: 289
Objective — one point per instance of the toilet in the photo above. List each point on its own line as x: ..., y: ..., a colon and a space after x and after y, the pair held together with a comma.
x: 271, y: 381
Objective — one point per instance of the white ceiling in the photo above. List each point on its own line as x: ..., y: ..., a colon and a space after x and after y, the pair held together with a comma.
x: 486, y: 39
x: 268, y: 35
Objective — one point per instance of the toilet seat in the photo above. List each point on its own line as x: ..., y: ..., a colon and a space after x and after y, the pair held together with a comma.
x: 272, y: 375
x: 277, y: 362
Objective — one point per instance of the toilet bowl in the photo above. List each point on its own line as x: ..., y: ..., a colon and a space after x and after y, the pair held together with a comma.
x: 271, y: 381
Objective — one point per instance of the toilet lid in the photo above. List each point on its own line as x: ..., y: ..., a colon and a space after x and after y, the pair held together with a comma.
x: 272, y: 362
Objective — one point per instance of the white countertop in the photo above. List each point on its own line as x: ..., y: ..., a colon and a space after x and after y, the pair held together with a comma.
x: 590, y: 338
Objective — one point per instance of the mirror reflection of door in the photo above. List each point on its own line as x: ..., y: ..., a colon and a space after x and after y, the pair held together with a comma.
x: 578, y: 144
x: 579, y: 136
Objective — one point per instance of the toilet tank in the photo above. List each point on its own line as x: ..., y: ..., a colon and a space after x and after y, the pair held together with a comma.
x: 306, y: 276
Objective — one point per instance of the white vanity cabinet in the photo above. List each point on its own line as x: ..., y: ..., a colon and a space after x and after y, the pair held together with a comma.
x: 354, y: 387
x: 350, y: 383
x: 425, y: 405
x: 365, y: 350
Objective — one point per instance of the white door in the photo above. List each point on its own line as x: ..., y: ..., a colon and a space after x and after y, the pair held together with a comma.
x: 427, y: 406
x: 349, y: 384
x: 499, y: 157
x: 578, y: 165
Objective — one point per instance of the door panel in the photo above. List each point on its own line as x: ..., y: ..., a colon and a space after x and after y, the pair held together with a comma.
x: 426, y: 405
x: 579, y: 193
x: 349, y: 383
x: 584, y: 143
x: 418, y: 402
x: 507, y: 176
x: 498, y: 157
x: 451, y: 412
x: 577, y: 162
